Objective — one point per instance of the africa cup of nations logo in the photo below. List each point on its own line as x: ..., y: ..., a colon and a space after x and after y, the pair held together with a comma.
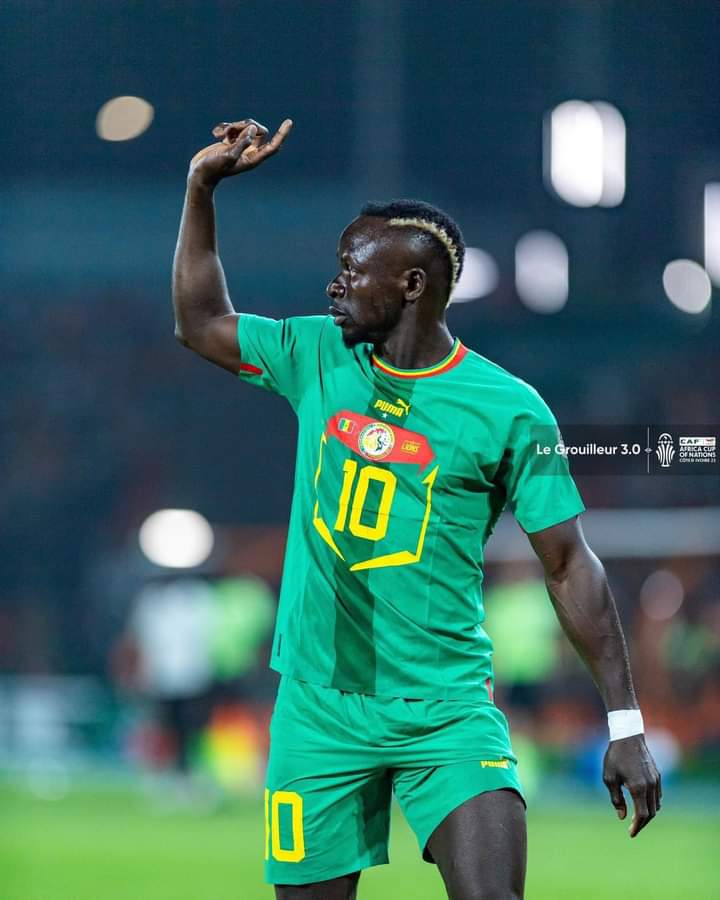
x: 376, y: 440
x: 665, y: 450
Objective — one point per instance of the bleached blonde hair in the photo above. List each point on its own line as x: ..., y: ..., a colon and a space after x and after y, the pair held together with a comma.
x: 439, y: 232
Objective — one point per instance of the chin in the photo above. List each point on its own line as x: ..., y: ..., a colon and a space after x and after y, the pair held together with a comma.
x: 353, y: 336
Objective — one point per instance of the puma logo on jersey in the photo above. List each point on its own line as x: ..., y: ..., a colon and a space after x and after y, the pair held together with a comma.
x: 400, y: 408
x: 494, y: 763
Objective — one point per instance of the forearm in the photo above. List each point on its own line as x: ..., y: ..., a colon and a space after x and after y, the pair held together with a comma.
x: 588, y: 615
x: 198, y: 282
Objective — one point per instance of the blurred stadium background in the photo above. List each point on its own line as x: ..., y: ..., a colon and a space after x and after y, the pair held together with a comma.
x: 134, y: 694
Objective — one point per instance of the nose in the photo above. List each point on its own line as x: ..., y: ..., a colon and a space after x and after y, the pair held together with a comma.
x: 335, y: 290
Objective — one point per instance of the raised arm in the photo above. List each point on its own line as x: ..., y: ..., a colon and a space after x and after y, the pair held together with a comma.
x: 579, y: 591
x: 205, y: 320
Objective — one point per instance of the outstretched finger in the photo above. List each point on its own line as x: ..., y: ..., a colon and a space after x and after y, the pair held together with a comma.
x: 642, y: 814
x: 651, y: 799
x: 617, y: 798
x: 274, y: 144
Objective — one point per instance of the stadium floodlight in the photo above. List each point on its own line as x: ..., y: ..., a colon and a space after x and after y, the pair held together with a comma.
x: 176, y: 538
x: 586, y: 148
x: 479, y: 277
x: 613, y: 153
x: 541, y: 271
x: 687, y: 285
x: 123, y: 118
x: 712, y: 230
x: 661, y: 595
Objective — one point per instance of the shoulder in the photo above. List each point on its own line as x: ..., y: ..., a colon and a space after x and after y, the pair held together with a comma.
x: 317, y: 339
x: 309, y: 324
x: 517, y: 396
x: 292, y: 335
x: 300, y: 325
x: 490, y: 370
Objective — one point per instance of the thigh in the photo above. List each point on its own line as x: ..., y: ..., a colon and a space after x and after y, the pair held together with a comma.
x: 458, y: 750
x: 481, y: 848
x: 327, y: 806
x: 344, y: 888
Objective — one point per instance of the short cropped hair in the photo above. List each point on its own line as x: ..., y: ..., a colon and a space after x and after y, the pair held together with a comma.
x: 418, y: 214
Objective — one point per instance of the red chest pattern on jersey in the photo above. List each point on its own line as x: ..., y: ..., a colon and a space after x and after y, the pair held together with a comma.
x: 380, y: 441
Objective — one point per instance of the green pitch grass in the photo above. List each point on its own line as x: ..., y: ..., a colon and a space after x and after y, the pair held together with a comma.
x: 110, y: 845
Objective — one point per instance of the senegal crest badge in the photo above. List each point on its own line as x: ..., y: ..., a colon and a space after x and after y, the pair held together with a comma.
x: 376, y: 440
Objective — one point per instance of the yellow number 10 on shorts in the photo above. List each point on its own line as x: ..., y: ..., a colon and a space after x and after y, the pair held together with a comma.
x: 277, y: 805
x: 337, y: 757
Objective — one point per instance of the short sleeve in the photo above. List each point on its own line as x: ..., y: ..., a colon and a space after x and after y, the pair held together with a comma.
x: 540, y: 489
x: 280, y: 355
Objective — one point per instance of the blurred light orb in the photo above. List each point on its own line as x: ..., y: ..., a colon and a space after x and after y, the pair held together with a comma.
x: 541, y: 271
x: 479, y: 277
x: 586, y: 147
x: 687, y: 285
x: 177, y: 538
x: 712, y: 230
x: 613, y: 153
x: 123, y: 118
x: 661, y: 595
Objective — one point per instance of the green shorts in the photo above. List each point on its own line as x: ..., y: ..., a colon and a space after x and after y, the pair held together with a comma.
x: 336, y: 758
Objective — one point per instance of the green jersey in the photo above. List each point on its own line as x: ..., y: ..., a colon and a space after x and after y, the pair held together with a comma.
x: 400, y: 478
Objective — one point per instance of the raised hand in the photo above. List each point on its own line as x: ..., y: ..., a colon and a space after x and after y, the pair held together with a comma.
x: 243, y: 146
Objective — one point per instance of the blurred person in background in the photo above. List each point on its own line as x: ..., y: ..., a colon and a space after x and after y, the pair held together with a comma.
x: 525, y: 633
x: 165, y: 655
x: 387, y: 678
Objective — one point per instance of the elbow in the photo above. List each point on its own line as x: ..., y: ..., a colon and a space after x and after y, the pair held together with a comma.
x: 180, y: 337
x: 557, y: 577
x: 579, y: 560
x: 558, y: 564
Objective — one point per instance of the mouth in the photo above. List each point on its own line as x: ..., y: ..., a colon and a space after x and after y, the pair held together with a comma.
x: 340, y: 317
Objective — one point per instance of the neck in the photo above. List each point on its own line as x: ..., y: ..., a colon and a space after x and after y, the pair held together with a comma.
x: 416, y: 345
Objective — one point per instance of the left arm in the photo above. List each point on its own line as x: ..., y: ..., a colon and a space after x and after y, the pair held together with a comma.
x: 580, y: 594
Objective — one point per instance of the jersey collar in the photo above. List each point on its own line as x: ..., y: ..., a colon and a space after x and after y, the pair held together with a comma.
x: 456, y: 355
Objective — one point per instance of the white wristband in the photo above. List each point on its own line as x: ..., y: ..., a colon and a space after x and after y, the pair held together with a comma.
x: 625, y: 723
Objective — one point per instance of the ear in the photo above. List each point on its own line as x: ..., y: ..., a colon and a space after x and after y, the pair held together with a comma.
x: 415, y: 283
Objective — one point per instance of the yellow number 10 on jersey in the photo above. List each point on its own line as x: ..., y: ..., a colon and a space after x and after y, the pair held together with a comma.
x: 350, y: 508
x: 273, y: 802
x: 384, y: 477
